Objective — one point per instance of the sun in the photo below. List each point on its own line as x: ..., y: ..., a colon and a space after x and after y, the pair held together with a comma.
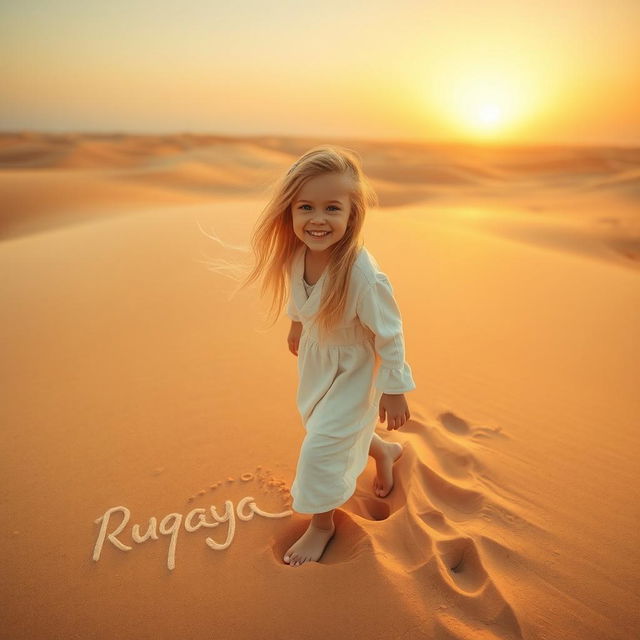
x: 482, y: 103
x: 489, y: 116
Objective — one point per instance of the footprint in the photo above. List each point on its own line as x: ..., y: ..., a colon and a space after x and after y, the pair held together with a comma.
x: 368, y: 507
x: 454, y: 424
x: 488, y: 432
x: 454, y: 456
x: 447, y: 496
x: 459, y: 556
x: 462, y: 567
x: 437, y: 521
x: 460, y: 427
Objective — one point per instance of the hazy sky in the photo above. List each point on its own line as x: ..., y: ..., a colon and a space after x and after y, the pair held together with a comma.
x: 547, y: 71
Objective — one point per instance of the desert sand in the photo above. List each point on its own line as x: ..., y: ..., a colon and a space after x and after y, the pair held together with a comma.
x: 132, y: 385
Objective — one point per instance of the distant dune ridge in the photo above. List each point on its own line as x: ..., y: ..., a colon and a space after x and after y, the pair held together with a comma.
x: 131, y: 379
x: 590, y: 194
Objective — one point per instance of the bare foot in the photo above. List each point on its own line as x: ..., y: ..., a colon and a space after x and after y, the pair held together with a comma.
x: 309, y: 546
x: 383, y: 482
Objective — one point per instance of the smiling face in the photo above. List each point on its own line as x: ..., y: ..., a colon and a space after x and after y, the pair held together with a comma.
x: 322, y: 204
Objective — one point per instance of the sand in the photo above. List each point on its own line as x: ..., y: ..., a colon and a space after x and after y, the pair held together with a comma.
x: 134, y: 391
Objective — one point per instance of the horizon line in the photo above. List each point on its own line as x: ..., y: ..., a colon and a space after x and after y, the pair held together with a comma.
x: 289, y: 136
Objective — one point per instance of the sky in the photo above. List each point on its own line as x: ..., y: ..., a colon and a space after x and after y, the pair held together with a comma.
x: 492, y: 71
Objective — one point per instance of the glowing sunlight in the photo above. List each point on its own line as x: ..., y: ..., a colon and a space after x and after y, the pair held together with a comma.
x: 485, y: 103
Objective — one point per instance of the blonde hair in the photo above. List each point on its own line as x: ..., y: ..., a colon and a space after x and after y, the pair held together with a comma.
x: 274, y: 242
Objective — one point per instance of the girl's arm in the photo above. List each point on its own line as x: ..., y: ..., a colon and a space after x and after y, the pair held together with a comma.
x: 291, y: 309
x: 293, y: 339
x: 378, y: 311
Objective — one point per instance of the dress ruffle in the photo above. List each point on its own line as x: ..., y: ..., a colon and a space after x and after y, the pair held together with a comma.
x: 395, y: 380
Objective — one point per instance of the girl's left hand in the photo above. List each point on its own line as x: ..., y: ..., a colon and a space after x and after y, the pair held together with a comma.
x: 395, y: 406
x: 293, y: 339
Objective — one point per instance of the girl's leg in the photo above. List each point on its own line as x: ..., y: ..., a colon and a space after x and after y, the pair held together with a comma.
x: 311, y: 544
x: 385, y: 454
x: 323, y: 520
x: 377, y: 446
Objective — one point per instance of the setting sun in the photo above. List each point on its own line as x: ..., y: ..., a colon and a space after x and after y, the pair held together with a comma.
x: 484, y: 104
x: 489, y: 116
x: 487, y: 100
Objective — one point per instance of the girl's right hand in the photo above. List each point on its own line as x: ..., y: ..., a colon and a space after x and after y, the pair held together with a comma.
x: 293, y: 339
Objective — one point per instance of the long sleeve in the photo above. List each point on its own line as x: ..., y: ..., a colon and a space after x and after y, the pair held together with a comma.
x: 292, y: 312
x: 378, y: 311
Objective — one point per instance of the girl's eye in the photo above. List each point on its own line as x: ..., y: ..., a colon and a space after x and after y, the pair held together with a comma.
x: 332, y: 206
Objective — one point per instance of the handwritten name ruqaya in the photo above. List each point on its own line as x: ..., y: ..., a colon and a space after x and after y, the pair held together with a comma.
x: 170, y: 525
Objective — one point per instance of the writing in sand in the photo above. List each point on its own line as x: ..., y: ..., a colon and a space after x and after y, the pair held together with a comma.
x: 170, y: 525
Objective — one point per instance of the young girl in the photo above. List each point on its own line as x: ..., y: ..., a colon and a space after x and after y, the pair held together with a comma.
x: 344, y: 322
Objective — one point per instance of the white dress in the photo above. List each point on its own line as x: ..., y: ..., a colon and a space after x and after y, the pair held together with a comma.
x: 342, y: 380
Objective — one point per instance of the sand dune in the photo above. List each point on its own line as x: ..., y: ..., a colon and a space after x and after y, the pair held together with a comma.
x: 580, y: 185
x: 129, y: 379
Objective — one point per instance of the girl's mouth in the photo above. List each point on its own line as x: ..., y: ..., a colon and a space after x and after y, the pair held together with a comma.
x: 318, y: 234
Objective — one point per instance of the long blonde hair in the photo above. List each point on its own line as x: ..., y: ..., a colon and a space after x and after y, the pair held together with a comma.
x: 274, y: 242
